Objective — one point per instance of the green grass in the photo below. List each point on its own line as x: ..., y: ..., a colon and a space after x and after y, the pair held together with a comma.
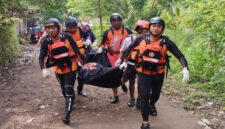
x: 194, y: 93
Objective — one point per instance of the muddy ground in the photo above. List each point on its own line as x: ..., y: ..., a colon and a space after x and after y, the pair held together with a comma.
x: 27, y: 101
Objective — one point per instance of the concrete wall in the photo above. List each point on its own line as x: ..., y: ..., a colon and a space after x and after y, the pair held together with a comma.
x: 21, y: 27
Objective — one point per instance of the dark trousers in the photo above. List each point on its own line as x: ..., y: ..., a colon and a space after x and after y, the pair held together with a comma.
x: 66, y: 82
x: 80, y: 82
x: 151, y: 86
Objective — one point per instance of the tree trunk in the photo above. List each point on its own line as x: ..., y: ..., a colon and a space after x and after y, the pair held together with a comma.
x: 151, y: 9
x: 127, y: 7
x: 117, y: 5
x: 100, y: 15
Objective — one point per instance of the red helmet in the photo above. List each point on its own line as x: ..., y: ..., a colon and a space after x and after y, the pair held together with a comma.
x: 141, y: 25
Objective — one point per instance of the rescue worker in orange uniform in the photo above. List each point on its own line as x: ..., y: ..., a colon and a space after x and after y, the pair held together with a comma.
x: 78, y: 34
x: 141, y: 27
x: 60, y: 51
x: 113, y: 39
x: 153, y: 49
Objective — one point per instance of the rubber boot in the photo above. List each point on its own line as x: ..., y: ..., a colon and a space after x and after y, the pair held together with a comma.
x: 68, y: 108
x: 152, y: 110
x: 145, y: 126
x: 115, y: 100
x: 80, y: 89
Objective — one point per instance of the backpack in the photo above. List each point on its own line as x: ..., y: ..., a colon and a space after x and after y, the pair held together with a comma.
x: 116, y: 42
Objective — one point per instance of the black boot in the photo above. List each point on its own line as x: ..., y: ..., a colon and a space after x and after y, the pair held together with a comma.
x: 82, y: 93
x: 131, y: 103
x: 66, y: 117
x: 145, y: 126
x: 68, y: 109
x: 115, y: 100
x: 152, y: 110
x: 80, y: 89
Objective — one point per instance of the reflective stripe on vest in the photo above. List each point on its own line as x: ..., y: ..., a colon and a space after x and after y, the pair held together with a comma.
x: 152, y: 60
x: 60, y: 56
x: 116, y: 41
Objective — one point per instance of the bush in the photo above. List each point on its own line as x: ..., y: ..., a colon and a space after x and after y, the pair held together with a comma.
x: 9, y: 43
x: 97, y: 31
x: 201, y: 39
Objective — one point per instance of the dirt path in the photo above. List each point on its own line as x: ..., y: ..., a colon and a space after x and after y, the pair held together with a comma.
x: 31, y: 102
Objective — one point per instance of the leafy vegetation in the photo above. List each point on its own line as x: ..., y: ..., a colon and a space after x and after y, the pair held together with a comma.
x: 8, y: 46
x: 196, y: 26
x: 10, y: 12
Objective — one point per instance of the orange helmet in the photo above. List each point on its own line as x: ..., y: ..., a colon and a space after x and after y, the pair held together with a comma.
x: 141, y: 25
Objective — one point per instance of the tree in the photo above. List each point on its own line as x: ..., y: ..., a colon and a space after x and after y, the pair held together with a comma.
x: 50, y: 8
x: 84, y: 9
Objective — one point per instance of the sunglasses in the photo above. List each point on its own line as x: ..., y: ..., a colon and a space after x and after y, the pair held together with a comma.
x: 116, y: 19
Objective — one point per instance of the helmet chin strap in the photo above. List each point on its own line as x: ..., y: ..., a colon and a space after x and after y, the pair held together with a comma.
x: 55, y: 35
x: 155, y: 34
x: 116, y: 28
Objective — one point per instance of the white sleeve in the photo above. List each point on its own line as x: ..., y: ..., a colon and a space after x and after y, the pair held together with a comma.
x: 125, y: 45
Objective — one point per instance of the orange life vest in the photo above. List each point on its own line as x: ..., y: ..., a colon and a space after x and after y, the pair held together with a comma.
x: 110, y: 36
x: 81, y: 47
x: 152, y: 57
x: 62, y: 56
x: 76, y: 37
x: 116, y: 41
x: 135, y: 52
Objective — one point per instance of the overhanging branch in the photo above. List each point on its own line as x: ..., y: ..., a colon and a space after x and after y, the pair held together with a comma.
x: 154, y: 4
x: 117, y: 5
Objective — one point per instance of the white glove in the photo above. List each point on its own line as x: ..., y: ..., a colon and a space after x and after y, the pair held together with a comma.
x: 85, y: 67
x: 123, y: 66
x: 78, y: 63
x: 45, y: 73
x: 99, y: 50
x: 118, y: 62
x: 96, y: 42
x: 185, y: 75
x: 87, y: 42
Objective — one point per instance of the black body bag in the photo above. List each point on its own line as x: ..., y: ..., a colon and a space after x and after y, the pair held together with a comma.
x: 98, y: 75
